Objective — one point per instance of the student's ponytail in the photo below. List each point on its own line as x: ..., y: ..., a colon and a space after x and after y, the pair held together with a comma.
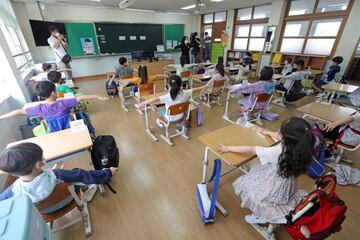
x: 175, y: 86
x: 220, y: 68
x: 298, y: 146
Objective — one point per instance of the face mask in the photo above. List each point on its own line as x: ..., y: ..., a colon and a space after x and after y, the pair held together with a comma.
x: 57, y: 34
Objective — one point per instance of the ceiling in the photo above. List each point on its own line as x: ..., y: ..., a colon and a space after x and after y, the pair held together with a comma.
x: 161, y: 5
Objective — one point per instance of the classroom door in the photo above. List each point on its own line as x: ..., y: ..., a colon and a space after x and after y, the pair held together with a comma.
x: 353, y: 70
x: 215, y: 30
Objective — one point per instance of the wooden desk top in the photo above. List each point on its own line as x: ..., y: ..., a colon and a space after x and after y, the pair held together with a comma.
x: 326, y: 112
x: 338, y: 87
x: 235, y: 135
x: 58, y: 144
x: 201, y: 77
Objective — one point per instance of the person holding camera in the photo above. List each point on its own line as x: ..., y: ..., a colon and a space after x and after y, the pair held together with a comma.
x: 59, y: 45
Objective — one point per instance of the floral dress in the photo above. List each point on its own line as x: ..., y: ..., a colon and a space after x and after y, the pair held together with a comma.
x: 269, y: 196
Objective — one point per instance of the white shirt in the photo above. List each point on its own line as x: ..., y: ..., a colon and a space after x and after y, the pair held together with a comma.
x: 349, y: 136
x: 269, y: 154
x: 355, y: 97
x: 38, y: 189
x: 295, y: 76
x: 59, y: 52
x: 183, y: 96
x: 40, y: 77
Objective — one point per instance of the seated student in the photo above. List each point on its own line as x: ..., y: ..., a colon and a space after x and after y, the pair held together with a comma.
x: 47, y: 67
x: 270, y: 190
x: 52, y: 107
x: 353, y: 99
x: 296, y: 77
x: 288, y: 69
x: 212, y: 68
x: 122, y: 70
x: 25, y: 161
x: 349, y: 127
x: 175, y: 96
x: 219, y: 75
x: 55, y: 77
x: 264, y: 85
x: 330, y: 75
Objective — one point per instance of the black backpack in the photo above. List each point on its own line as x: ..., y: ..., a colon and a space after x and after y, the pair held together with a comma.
x: 105, y: 154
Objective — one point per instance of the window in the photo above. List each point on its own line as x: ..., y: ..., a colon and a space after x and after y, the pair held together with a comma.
x: 208, y: 18
x: 220, y: 17
x: 13, y: 36
x: 301, y: 7
x: 315, y: 32
x: 250, y: 28
x: 208, y: 29
x: 332, y: 5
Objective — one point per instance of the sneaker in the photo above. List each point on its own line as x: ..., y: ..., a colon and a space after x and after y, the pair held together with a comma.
x: 251, y: 219
x: 90, y: 192
x: 159, y: 123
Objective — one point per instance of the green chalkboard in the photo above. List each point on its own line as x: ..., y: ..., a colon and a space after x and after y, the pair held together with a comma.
x: 173, y: 32
x: 76, y: 34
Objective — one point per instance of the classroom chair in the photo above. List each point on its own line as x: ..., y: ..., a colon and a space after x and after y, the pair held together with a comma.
x: 185, y: 76
x: 253, y: 115
x: 213, y: 94
x: 341, y: 156
x: 280, y: 99
x: 181, y: 108
x: 242, y: 75
x: 65, y: 192
x: 143, y: 90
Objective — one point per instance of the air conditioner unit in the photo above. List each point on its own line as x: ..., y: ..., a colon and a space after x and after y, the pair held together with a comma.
x: 126, y: 3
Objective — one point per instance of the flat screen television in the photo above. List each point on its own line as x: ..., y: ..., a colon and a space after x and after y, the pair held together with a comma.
x: 40, y: 30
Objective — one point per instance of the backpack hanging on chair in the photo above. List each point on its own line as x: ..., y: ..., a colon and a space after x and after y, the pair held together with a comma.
x: 206, y: 203
x: 319, y: 214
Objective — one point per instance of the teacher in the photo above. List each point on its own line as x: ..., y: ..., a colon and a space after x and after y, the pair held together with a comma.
x: 59, y: 45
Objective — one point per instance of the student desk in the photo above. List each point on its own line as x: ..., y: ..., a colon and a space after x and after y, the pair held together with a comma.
x: 226, y: 116
x: 325, y: 112
x: 233, y: 135
x: 208, y: 64
x: 147, y: 126
x: 231, y: 70
x: 62, y: 145
x: 334, y: 88
x: 199, y: 78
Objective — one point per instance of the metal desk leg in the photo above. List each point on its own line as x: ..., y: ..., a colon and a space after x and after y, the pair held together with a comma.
x: 223, y: 211
x: 226, y: 116
x: 147, y: 127
x: 122, y: 99
x: 332, y: 96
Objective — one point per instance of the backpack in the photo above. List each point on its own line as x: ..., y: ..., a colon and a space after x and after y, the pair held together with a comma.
x: 105, y: 154
x: 206, y: 203
x: 319, y: 214
x: 143, y: 74
x: 111, y: 90
x: 196, y: 117
x: 317, y: 166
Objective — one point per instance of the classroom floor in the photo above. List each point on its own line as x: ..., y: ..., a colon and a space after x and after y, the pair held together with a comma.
x: 156, y: 183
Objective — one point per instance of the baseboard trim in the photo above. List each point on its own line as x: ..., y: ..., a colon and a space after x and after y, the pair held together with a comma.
x: 91, y: 77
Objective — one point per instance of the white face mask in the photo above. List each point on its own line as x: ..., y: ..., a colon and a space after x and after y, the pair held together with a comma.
x: 186, y: 41
x: 57, y: 34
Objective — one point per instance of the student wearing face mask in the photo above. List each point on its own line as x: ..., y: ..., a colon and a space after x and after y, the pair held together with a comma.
x: 185, y: 48
x: 59, y: 45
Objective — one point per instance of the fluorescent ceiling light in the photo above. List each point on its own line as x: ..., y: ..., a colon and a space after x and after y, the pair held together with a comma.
x: 179, y: 13
x: 216, y: 0
x: 138, y: 10
x: 189, y: 7
x: 94, y: 0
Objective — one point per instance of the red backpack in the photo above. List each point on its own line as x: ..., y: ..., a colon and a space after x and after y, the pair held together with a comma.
x: 319, y: 214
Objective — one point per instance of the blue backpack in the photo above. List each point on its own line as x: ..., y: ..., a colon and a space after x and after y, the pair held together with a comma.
x: 317, y: 167
x: 206, y: 204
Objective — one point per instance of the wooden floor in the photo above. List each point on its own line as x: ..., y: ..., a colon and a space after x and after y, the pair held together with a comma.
x: 156, y: 183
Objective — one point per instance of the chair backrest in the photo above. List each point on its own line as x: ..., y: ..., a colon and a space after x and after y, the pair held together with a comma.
x: 218, y: 85
x: 179, y: 109
x: 146, y: 89
x: 61, y: 94
x: 185, y: 74
x: 261, y: 98
x: 109, y: 75
x: 58, y: 123
x: 59, y: 194
x: 127, y: 76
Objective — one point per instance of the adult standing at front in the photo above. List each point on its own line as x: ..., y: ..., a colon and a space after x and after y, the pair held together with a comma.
x: 59, y: 45
x: 196, y: 44
x: 207, y: 47
x: 185, y: 48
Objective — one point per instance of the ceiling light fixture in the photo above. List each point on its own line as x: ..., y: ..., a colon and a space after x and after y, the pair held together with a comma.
x: 94, y: 0
x: 138, y: 10
x: 188, y: 7
x: 216, y: 0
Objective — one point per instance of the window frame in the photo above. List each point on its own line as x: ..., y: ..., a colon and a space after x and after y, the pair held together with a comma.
x: 251, y: 22
x: 311, y: 18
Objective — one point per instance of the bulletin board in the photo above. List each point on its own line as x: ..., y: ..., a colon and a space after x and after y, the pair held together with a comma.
x: 173, y: 34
